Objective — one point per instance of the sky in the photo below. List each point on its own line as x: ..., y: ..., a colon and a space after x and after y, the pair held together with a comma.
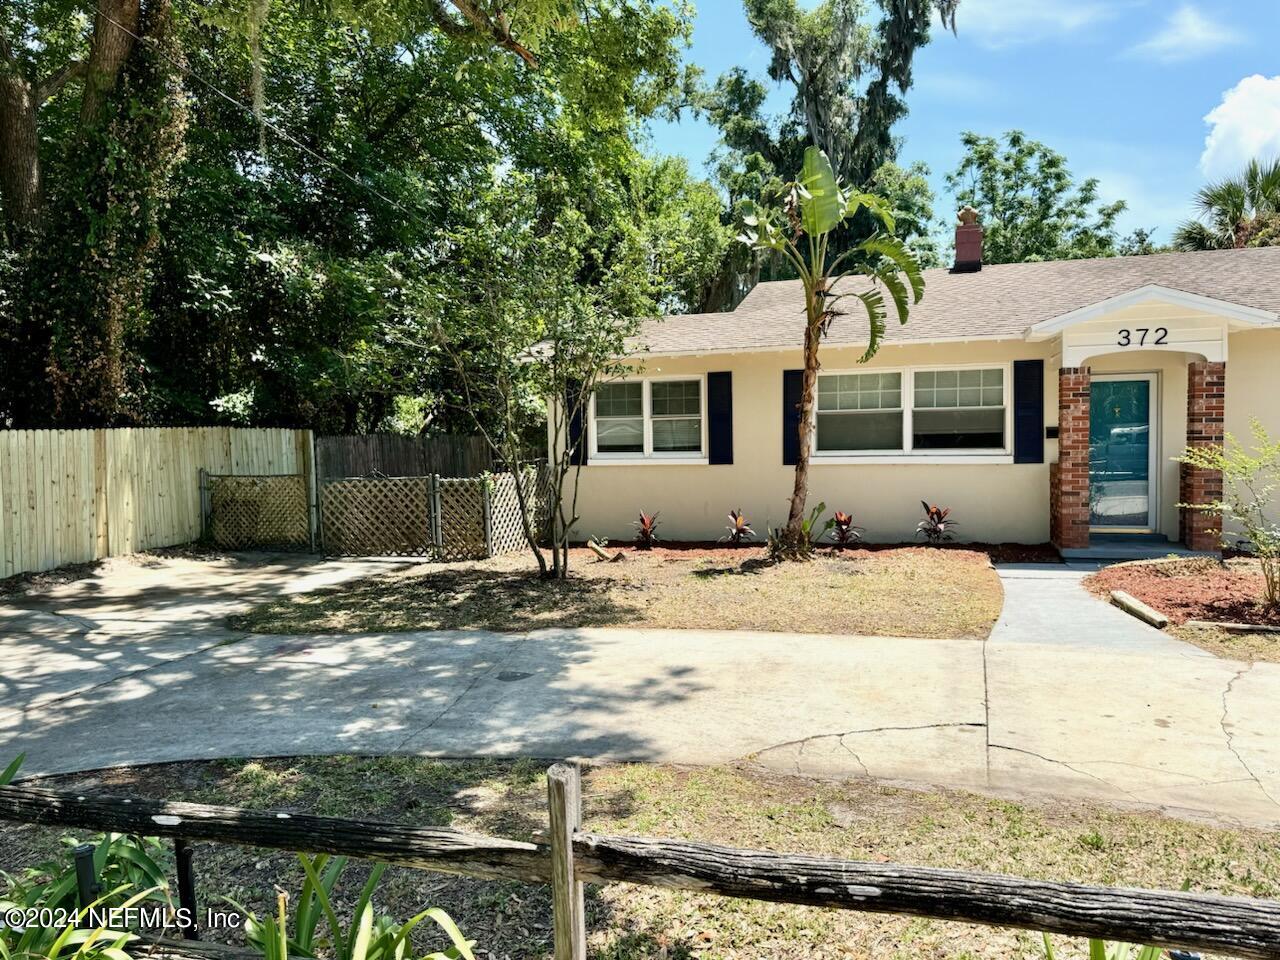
x: 1151, y: 97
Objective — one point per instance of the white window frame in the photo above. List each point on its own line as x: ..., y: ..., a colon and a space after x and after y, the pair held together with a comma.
x: 650, y: 456
x: 907, y: 453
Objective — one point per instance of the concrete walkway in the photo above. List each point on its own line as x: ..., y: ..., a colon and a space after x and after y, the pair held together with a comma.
x: 1068, y: 697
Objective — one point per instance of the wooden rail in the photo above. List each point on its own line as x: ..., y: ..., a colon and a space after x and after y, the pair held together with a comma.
x: 1235, y: 926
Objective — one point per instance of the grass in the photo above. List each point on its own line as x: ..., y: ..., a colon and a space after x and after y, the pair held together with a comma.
x: 1249, y: 647
x: 909, y: 592
x: 736, y: 805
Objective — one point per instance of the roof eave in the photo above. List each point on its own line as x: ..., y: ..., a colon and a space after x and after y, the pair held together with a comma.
x: 1235, y: 313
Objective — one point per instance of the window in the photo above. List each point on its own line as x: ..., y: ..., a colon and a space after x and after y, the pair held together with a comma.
x: 916, y: 411
x: 860, y: 411
x: 620, y: 418
x: 958, y: 410
x: 648, y: 418
x: 677, y: 416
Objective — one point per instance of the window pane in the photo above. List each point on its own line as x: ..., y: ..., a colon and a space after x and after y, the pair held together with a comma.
x: 619, y: 400
x: 940, y: 389
x: 981, y: 429
x: 860, y: 431
x: 620, y: 436
x: 674, y: 398
x: 677, y: 436
x: 860, y: 391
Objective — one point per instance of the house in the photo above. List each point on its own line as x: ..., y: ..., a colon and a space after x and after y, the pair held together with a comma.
x: 1040, y: 401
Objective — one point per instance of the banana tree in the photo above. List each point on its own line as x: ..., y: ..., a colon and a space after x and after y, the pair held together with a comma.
x: 876, y: 271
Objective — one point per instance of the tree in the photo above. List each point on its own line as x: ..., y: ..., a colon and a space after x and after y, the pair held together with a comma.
x: 849, y: 72
x: 531, y: 319
x: 1030, y: 205
x: 1241, y: 211
x: 816, y: 205
x: 1250, y: 481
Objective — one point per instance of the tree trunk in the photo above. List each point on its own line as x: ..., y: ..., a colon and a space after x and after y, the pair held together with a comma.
x: 800, y: 492
x: 19, y: 153
x: 113, y: 31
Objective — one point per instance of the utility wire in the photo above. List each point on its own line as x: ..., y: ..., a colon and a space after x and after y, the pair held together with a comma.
x: 273, y: 127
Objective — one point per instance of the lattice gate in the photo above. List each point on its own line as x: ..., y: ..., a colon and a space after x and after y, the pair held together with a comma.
x: 443, y: 518
x: 257, y: 511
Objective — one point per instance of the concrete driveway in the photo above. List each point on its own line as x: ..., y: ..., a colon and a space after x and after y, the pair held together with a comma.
x: 1069, y: 697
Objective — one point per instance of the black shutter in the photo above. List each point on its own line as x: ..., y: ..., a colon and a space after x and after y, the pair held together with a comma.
x: 792, y: 389
x: 577, y: 438
x: 1028, y: 411
x: 720, y: 417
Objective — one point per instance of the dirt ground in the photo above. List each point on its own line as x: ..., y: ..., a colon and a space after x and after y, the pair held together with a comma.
x: 737, y: 805
x: 902, y: 591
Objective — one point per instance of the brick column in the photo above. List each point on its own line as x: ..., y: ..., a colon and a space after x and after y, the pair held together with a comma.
x: 1069, y: 477
x: 1206, y: 411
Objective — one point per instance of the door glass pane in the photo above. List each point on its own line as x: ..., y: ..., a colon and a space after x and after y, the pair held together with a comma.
x: 1120, y: 453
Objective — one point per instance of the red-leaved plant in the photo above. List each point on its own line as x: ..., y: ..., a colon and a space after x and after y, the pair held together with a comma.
x: 739, y: 528
x: 936, y: 525
x: 843, y: 532
x: 646, y: 527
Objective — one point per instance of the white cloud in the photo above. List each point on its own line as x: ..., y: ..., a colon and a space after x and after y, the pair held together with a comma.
x: 1007, y: 23
x: 1245, y: 125
x: 1187, y: 34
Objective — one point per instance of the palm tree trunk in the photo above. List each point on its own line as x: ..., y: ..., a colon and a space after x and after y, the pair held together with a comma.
x: 800, y: 491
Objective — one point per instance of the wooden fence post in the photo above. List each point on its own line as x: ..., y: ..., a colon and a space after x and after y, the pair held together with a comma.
x: 205, y: 507
x: 437, y: 529
x: 486, y: 505
x: 564, y: 804
x: 313, y: 492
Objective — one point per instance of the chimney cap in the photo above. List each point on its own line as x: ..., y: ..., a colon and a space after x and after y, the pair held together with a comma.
x: 968, y: 216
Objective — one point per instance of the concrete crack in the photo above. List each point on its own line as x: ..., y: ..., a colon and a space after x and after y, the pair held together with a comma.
x: 484, y: 674
x: 802, y: 742
x: 986, y: 709
x: 856, y: 759
x: 1225, y: 723
x: 1063, y: 763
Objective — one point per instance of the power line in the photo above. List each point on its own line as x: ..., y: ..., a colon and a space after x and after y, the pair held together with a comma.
x: 273, y: 127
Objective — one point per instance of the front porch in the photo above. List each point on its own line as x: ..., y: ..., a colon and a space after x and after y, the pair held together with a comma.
x: 1141, y: 378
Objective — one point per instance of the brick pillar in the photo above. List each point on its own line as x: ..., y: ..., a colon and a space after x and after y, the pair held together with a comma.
x: 1206, y: 411
x: 1069, y: 477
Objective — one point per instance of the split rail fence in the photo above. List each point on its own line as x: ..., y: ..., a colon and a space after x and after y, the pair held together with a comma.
x: 571, y: 856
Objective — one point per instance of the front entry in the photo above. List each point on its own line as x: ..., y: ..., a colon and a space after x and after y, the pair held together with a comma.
x: 1123, y: 443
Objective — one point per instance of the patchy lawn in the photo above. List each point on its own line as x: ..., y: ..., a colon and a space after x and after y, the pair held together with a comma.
x: 1200, y: 589
x: 734, y: 805
x: 908, y: 592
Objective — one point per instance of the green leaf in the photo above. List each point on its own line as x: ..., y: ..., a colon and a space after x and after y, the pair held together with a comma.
x: 822, y: 203
x: 873, y: 301
x: 6, y: 777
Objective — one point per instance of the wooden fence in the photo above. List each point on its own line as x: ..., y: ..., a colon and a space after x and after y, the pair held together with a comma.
x: 1230, y: 925
x: 73, y: 496
x: 394, y: 455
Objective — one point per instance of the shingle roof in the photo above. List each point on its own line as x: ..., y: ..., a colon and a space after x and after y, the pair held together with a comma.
x: 999, y: 301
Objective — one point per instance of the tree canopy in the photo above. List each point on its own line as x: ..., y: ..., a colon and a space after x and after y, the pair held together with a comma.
x: 1030, y: 205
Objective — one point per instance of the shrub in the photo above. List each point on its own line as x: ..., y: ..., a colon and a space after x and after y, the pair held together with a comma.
x: 790, y: 544
x: 365, y: 937
x: 936, y: 525
x: 739, y: 528
x: 1249, y: 484
x: 843, y: 531
x: 646, y: 527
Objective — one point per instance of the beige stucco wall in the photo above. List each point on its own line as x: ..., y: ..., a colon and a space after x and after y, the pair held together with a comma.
x: 993, y: 501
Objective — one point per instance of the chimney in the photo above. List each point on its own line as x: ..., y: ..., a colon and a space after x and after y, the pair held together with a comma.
x: 968, y: 242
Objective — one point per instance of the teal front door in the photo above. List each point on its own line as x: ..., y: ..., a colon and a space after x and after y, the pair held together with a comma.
x: 1121, y: 453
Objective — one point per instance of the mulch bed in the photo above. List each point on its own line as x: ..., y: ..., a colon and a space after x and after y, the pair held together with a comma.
x: 709, y: 550
x: 1190, y: 590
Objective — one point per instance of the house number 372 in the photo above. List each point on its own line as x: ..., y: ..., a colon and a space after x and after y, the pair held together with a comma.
x: 1141, y: 336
